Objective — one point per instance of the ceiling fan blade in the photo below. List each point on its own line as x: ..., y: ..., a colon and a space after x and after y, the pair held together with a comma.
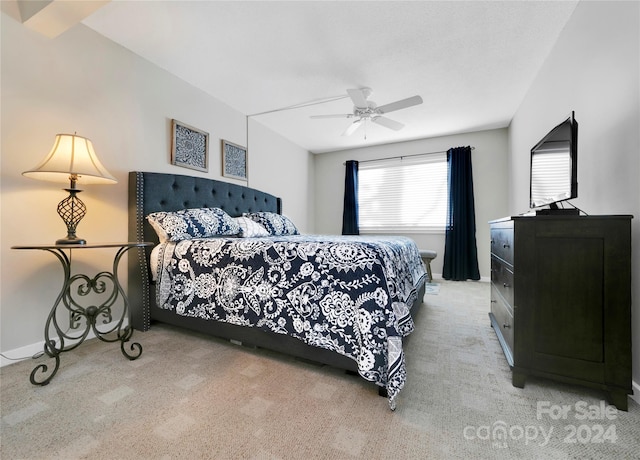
x: 402, y: 104
x: 388, y: 123
x: 353, y: 127
x: 341, y: 115
x: 359, y: 97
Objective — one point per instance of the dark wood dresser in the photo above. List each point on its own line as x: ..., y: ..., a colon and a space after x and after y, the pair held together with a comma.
x: 561, y: 299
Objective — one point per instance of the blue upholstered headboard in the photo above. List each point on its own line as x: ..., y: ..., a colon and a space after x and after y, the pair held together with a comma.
x: 152, y: 192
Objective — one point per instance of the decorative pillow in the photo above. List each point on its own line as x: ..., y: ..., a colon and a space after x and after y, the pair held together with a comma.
x: 193, y: 223
x: 250, y: 228
x: 275, y: 224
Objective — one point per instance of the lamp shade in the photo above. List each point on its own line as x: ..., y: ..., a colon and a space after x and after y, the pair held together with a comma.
x: 71, y: 155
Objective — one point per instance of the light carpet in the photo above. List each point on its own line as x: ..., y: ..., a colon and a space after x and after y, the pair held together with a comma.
x: 190, y: 396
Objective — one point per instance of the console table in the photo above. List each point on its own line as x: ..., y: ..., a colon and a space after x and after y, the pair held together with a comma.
x: 561, y: 299
x: 74, y: 291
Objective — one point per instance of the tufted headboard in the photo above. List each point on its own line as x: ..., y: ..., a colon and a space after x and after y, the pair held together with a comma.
x: 152, y: 192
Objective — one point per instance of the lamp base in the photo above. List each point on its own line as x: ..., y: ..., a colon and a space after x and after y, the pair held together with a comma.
x: 72, y: 210
x: 71, y: 241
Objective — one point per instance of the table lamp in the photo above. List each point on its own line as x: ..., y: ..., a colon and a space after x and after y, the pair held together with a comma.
x: 73, y: 159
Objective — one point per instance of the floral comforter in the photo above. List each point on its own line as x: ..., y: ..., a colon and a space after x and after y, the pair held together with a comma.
x: 348, y: 294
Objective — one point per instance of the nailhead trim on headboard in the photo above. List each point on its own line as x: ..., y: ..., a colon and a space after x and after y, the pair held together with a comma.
x: 142, y: 255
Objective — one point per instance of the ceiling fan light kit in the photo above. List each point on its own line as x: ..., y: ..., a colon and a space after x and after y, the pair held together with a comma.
x: 365, y: 110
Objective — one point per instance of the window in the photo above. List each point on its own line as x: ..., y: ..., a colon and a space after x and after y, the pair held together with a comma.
x: 403, y: 195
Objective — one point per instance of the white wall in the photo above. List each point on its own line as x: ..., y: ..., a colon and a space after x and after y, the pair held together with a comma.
x: 81, y: 82
x: 593, y: 70
x: 489, y: 160
x: 283, y: 169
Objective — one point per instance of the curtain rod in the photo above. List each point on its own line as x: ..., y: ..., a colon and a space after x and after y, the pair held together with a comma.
x: 406, y: 156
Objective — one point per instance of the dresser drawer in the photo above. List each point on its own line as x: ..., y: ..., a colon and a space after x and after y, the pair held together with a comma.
x: 502, y: 279
x: 502, y: 241
x: 503, y: 316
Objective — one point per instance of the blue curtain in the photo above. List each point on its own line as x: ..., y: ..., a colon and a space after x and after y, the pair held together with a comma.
x: 460, y: 250
x: 350, y: 209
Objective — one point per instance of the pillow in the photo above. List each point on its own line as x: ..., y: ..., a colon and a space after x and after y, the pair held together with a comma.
x: 192, y: 223
x: 275, y: 224
x: 250, y: 228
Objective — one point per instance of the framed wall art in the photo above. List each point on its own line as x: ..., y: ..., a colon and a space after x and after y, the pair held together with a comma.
x: 189, y: 147
x: 234, y: 161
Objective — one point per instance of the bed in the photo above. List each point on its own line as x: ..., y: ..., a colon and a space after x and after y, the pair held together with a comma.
x: 342, y: 301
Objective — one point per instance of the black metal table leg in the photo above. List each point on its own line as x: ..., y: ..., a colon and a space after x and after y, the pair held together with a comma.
x: 73, y: 296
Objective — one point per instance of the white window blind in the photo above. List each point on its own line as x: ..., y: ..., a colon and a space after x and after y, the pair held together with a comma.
x: 404, y: 195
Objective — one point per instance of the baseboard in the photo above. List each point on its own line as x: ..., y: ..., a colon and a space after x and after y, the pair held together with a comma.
x: 21, y: 354
x: 29, y: 351
x: 636, y: 391
x: 438, y: 276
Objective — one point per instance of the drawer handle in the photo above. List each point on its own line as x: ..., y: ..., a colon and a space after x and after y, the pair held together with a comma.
x: 507, y: 285
x: 506, y: 326
x: 505, y: 245
x: 494, y: 301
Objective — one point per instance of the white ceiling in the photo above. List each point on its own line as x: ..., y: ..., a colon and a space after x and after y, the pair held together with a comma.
x: 472, y: 62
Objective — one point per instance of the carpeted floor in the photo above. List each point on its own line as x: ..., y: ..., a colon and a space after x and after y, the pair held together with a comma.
x: 189, y: 396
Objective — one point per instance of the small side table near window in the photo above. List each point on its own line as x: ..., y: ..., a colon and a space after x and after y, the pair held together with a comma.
x: 74, y: 291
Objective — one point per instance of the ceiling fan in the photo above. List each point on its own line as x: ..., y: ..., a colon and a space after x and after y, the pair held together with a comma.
x: 365, y: 110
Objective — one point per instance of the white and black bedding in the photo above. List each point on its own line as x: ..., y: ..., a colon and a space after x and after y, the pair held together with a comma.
x: 348, y: 297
